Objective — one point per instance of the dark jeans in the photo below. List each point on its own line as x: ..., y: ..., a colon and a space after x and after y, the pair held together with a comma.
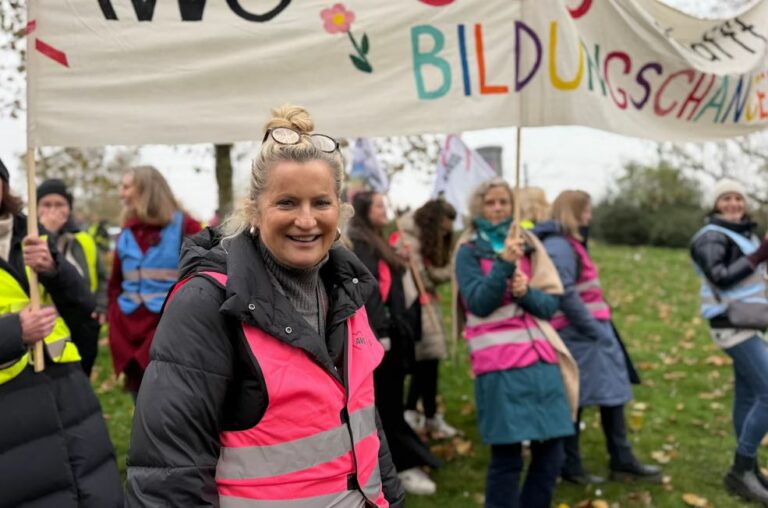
x: 502, y: 488
x: 750, y: 401
x: 615, y: 431
x: 424, y: 386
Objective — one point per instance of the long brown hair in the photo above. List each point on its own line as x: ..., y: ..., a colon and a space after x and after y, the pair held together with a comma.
x: 568, y: 209
x: 435, y: 244
x: 361, y: 230
x: 11, y: 204
x: 155, y: 203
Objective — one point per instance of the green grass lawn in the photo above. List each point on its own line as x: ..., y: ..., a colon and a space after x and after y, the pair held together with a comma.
x: 681, y: 415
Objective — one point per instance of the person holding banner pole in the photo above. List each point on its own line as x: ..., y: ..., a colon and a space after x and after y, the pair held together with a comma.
x: 584, y: 322
x: 731, y: 262
x: 395, y: 316
x: 54, y: 446
x: 260, y: 390
x: 144, y: 268
x: 526, y: 382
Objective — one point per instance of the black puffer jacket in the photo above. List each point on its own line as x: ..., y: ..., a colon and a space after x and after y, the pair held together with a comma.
x: 202, y: 378
x: 54, y: 447
x: 721, y: 260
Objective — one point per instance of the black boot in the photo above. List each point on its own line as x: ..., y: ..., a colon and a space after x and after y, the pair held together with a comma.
x: 742, y: 480
x: 636, y: 471
x: 760, y: 476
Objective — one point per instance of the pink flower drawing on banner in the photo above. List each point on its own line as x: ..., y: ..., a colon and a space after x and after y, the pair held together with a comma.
x: 338, y: 20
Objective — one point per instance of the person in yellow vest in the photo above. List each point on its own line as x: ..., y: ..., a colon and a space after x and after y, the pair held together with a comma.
x: 54, y: 446
x: 54, y: 204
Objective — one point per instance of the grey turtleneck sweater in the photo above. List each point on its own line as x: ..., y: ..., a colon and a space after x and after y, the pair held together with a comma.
x: 302, y: 287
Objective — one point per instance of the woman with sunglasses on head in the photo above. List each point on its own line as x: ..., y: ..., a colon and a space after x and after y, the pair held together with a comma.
x: 526, y: 382
x: 144, y: 268
x: 260, y: 387
x: 394, y: 314
x: 731, y: 261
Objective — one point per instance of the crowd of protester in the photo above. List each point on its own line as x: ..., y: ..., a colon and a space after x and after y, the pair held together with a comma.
x: 290, y: 355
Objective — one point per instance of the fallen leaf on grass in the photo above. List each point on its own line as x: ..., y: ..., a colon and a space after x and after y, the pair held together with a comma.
x: 661, y: 457
x: 680, y: 406
x: 695, y: 501
x: 639, y: 406
x: 467, y: 409
x: 718, y: 360
x: 675, y: 376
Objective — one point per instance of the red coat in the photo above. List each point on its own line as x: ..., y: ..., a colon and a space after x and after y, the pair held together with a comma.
x: 131, y: 336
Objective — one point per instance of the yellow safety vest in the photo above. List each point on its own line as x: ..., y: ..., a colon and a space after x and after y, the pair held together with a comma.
x: 59, y: 343
x: 91, y: 255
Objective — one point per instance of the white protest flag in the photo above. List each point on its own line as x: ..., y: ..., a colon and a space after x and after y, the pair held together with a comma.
x: 459, y: 170
x: 187, y: 71
x: 366, y: 166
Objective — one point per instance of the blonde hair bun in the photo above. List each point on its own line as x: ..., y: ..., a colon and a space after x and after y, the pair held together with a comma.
x: 291, y: 116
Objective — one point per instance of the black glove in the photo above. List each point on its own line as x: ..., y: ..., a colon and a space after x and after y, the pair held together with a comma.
x: 760, y: 255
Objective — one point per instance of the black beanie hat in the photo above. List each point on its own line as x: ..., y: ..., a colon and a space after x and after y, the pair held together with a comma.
x: 4, y: 175
x: 54, y: 186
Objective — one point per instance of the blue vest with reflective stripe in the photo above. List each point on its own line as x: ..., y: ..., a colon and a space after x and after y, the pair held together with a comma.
x: 148, y: 276
x: 751, y: 289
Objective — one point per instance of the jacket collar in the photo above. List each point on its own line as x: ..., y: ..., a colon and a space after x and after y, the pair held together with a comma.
x: 251, y: 297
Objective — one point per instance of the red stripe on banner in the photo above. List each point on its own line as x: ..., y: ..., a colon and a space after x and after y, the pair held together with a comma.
x: 51, y: 52
x: 31, y: 27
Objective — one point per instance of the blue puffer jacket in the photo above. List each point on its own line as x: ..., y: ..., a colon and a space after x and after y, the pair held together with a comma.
x: 593, y: 343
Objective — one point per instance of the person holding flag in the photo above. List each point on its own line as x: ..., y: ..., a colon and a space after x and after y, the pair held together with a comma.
x: 54, y: 447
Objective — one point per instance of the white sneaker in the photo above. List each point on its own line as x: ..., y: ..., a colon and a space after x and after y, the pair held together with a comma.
x: 439, y: 429
x: 416, y: 481
x: 414, y: 419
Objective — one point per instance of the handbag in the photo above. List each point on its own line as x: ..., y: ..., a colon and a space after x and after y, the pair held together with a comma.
x: 741, y: 314
x: 748, y: 314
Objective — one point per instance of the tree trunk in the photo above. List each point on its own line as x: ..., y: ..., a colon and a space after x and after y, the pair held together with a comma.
x: 224, y: 179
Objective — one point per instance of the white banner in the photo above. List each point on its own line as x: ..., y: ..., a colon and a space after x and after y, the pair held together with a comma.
x: 184, y: 71
x: 459, y: 171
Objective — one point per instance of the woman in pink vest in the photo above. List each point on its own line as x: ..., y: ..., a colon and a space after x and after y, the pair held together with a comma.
x: 525, y: 384
x: 259, y: 392
x: 583, y: 321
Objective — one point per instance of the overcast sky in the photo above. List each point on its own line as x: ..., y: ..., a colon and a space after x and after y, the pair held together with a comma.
x: 556, y: 158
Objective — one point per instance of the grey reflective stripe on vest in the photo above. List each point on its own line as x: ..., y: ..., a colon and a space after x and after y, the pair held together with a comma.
x: 151, y: 274
x: 141, y: 298
x: 503, y: 313
x: 7, y: 364
x: 373, y: 485
x: 584, y: 286
x: 498, y: 338
x: 265, y: 461
x: 591, y: 307
x: 57, y: 347
x: 347, y: 499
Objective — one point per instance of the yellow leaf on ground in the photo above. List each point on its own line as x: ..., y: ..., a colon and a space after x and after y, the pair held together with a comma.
x: 695, y: 501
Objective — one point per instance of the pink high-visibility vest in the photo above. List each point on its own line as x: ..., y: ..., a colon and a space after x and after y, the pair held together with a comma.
x: 509, y: 338
x: 317, y: 442
x: 588, y: 288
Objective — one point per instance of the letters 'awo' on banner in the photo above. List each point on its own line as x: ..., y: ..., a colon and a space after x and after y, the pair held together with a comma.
x: 184, y: 71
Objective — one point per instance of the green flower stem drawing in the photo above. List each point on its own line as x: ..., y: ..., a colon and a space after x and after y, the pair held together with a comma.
x: 361, y: 59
